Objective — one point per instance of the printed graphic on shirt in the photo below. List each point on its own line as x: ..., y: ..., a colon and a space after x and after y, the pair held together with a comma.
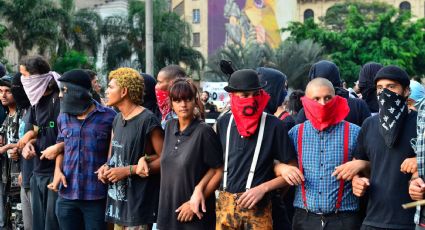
x: 117, y: 191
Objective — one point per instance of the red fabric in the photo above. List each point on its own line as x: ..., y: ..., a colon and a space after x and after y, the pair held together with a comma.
x: 323, y: 116
x: 162, y: 97
x: 300, y: 163
x: 284, y: 115
x: 247, y: 112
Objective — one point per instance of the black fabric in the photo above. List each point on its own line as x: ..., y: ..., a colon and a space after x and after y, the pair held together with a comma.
x: 27, y: 166
x: 358, y: 112
x: 43, y: 204
x: 244, y: 80
x: 275, y: 82
x: 2, y: 70
x: 132, y: 201
x: 44, y: 115
x: 392, y: 112
x: 149, y: 96
x: 75, y: 99
x: 367, y: 85
x: 394, y: 73
x: 309, y: 221
x: 77, y: 77
x: 276, y: 146
x: 326, y: 69
x: 6, y: 81
x: 188, y: 154
x: 388, y: 188
x: 96, y: 96
x: 18, y: 92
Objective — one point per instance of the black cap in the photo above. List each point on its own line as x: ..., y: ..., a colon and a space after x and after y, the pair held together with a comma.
x: 244, y: 80
x: 77, y: 77
x: 394, y: 73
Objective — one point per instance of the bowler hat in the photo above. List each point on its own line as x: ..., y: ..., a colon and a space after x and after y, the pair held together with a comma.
x: 244, y: 80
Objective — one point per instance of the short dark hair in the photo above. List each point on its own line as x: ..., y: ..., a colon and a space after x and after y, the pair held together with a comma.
x: 36, y: 64
x: 208, y: 93
x: 91, y: 74
x: 294, y: 102
x: 174, y: 71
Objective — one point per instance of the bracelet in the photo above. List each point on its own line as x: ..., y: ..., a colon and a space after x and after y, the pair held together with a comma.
x: 131, y: 170
x: 147, y: 158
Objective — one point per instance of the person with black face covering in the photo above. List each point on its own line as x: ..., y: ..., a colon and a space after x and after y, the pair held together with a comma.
x: 149, y: 96
x: 367, y: 85
x: 384, y: 140
x: 82, y: 122
x: 328, y: 70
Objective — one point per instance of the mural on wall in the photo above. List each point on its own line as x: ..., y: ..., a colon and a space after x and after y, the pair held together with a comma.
x: 236, y: 21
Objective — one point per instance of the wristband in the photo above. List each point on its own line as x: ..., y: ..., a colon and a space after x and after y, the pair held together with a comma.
x: 147, y: 158
x: 131, y: 170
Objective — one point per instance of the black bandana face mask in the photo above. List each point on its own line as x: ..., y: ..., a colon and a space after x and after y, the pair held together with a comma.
x: 75, y: 99
x: 392, y: 113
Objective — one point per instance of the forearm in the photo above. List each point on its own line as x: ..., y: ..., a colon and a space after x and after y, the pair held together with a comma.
x: 155, y: 166
x: 210, y: 181
x: 58, y: 162
x: 273, y: 184
x: 278, y: 164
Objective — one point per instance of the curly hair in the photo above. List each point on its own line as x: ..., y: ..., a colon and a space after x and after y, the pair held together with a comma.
x: 129, y: 78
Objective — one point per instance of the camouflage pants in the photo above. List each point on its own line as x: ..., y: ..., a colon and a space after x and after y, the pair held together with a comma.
x: 232, y: 217
x: 141, y: 227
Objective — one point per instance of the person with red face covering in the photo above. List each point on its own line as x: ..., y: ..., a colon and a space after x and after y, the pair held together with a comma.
x: 323, y: 142
x: 251, y: 140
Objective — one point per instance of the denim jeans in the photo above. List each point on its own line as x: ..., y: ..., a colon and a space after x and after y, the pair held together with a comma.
x: 43, y: 204
x: 81, y: 214
x: 2, y: 204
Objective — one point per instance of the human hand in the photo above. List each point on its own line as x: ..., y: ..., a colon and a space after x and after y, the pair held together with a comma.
x: 116, y: 174
x: 409, y: 165
x: 13, y: 153
x: 196, y: 200
x: 28, y: 152
x: 49, y: 153
x: 251, y: 197
x: 20, y: 179
x: 185, y: 213
x: 101, y: 173
x: 417, y: 189
x: 292, y: 175
x: 142, y: 167
x: 348, y: 170
x: 57, y: 179
x: 360, y: 185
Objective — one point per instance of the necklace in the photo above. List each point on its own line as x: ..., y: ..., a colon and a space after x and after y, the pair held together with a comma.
x: 126, y: 116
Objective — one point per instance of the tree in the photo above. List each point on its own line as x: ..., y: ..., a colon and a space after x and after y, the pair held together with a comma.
x: 31, y: 23
x: 3, y: 43
x: 72, y: 60
x: 125, y: 36
x: 393, y: 38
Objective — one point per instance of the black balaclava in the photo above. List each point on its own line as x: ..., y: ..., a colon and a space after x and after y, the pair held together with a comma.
x: 328, y: 70
x: 18, y: 92
x: 367, y: 85
x: 75, y: 86
x: 275, y: 87
x: 149, y: 97
x: 392, y: 107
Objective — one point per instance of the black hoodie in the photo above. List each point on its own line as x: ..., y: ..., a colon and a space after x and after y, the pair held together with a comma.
x: 367, y: 85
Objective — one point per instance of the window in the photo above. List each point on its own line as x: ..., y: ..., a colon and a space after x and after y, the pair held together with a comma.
x: 405, y: 6
x: 196, y: 16
x: 196, y: 39
x: 308, y: 14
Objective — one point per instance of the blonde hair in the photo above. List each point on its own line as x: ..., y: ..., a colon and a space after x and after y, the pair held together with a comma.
x: 129, y: 78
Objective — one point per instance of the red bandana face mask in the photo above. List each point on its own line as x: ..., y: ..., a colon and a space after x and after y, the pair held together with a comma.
x: 324, y: 116
x: 163, y: 102
x: 247, y: 112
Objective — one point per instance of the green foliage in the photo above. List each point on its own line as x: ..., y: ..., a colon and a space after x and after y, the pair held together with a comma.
x: 126, y: 35
x: 72, y: 60
x: 3, y: 43
x: 392, y: 38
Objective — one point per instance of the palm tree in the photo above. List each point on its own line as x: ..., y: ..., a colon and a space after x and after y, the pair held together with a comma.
x: 31, y: 23
x: 295, y: 59
x: 125, y: 36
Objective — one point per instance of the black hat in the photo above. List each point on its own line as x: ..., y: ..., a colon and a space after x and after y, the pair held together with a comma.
x: 6, y: 81
x: 78, y: 77
x: 244, y: 80
x: 394, y: 73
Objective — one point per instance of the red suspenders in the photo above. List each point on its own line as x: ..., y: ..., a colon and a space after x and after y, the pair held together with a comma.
x: 300, y: 162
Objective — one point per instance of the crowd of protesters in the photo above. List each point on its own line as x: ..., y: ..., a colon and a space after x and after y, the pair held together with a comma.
x: 142, y: 157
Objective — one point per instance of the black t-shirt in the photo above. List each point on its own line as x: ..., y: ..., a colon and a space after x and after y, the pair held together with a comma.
x: 44, y: 115
x: 276, y: 146
x: 359, y: 111
x: 185, y: 158
x: 132, y: 201
x: 389, y: 187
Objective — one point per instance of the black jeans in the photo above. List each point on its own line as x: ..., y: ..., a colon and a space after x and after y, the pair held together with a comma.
x: 304, y: 220
x: 367, y: 227
x: 43, y: 204
x: 81, y: 214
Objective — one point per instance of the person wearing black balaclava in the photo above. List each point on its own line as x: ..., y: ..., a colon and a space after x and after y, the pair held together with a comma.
x: 149, y: 96
x: 384, y: 141
x: 358, y: 108
x: 27, y: 166
x: 82, y: 122
x: 275, y: 86
x: 367, y: 85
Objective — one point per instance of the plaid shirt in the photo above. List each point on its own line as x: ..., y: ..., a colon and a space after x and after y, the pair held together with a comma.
x: 419, y: 147
x: 322, y: 152
x: 86, y: 149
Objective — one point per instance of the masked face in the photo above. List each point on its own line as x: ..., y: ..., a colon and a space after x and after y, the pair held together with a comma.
x: 75, y: 100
